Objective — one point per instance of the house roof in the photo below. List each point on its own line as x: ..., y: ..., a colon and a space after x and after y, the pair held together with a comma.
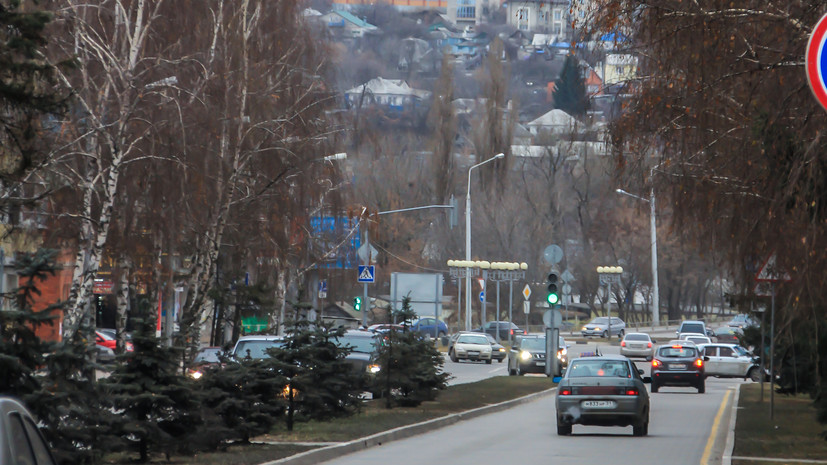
x: 350, y: 17
x: 555, y: 117
x: 382, y: 86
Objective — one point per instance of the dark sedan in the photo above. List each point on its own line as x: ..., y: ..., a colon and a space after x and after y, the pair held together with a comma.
x: 678, y: 364
x: 602, y: 391
x: 364, y: 345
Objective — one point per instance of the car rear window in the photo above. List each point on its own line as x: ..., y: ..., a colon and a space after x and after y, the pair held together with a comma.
x: 692, y: 328
x: 258, y: 349
x: 602, y: 368
x: 362, y: 344
x: 677, y: 352
x: 637, y: 337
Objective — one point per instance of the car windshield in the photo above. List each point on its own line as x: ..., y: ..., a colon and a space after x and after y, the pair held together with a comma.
x: 208, y: 355
x: 599, y: 321
x: 692, y: 328
x: 362, y: 344
x: 473, y: 339
x: 741, y: 351
x: 677, y: 352
x: 533, y: 343
x: 491, y: 339
x: 604, y: 368
x: 637, y: 337
x: 257, y: 348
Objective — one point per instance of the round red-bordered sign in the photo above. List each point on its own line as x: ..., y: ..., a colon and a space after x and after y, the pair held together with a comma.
x: 815, y: 61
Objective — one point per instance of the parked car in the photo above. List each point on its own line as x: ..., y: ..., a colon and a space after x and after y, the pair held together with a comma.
x: 528, y: 355
x: 637, y: 345
x: 742, y: 321
x: 603, y: 391
x: 470, y: 346
x: 501, y: 330
x: 207, y: 358
x: 728, y: 335
x: 600, y: 327
x: 114, y: 333
x: 429, y: 327
x: 21, y: 442
x: 105, y: 340
x: 105, y: 354
x: 364, y: 346
x: 385, y: 327
x: 678, y: 364
x: 730, y: 361
x: 255, y: 347
x: 693, y: 326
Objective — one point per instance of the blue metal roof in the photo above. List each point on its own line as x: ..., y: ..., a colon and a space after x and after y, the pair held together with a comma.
x: 353, y: 18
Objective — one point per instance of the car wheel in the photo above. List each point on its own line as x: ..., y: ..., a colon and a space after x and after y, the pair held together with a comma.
x: 453, y: 356
x: 754, y: 374
x: 655, y: 387
x: 604, y: 335
x: 500, y: 360
x: 519, y: 371
x: 563, y: 428
x: 488, y: 362
x: 442, y: 334
x: 621, y: 334
x: 640, y: 429
x: 702, y: 387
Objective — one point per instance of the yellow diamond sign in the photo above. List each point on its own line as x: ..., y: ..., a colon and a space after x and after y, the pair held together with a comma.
x: 526, y: 292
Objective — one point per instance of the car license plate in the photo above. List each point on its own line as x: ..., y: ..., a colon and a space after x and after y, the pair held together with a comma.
x: 541, y: 364
x: 598, y: 404
x: 677, y: 366
x: 473, y: 352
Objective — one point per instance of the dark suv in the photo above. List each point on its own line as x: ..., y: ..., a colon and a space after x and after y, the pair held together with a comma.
x: 678, y: 364
x: 501, y: 329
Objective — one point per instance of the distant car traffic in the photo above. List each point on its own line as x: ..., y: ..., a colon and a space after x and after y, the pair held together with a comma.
x: 678, y: 364
x: 742, y: 321
x: 602, y: 391
x: 255, y: 347
x: 207, y: 358
x: 21, y: 442
x: 728, y: 335
x: 470, y: 346
x: 600, y: 327
x: 501, y: 330
x: 364, y: 346
x: 693, y: 326
x: 637, y: 345
x: 498, y: 352
x: 730, y: 361
x: 528, y: 355
x: 114, y: 333
x: 385, y: 327
x: 696, y: 338
x: 429, y: 327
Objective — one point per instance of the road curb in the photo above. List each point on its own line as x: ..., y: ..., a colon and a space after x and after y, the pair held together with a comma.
x: 330, y: 452
x: 729, y: 445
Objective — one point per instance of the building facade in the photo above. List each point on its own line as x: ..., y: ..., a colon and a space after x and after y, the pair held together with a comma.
x: 469, y: 13
x: 546, y: 17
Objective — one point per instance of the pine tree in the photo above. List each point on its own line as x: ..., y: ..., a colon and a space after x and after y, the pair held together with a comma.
x: 158, y: 406
x: 411, y: 367
x: 321, y: 383
x: 570, y: 91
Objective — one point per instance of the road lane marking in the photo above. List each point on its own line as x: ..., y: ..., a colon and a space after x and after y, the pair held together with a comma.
x: 715, y: 425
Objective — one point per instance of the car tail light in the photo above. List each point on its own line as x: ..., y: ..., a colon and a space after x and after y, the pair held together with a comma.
x: 699, y: 363
x: 622, y: 343
x: 631, y: 392
x: 565, y: 392
x: 649, y: 345
x: 512, y: 331
x: 656, y: 363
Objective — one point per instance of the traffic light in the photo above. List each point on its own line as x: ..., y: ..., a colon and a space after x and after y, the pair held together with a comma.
x: 357, y: 304
x: 553, y: 297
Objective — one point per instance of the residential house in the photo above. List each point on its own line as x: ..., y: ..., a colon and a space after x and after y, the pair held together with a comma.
x: 389, y: 95
x: 556, y: 122
x: 469, y: 13
x: 618, y: 68
x: 345, y: 25
x: 543, y: 16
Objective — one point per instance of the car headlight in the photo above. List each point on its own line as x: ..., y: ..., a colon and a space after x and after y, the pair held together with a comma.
x: 374, y: 368
x: 502, y: 349
x: 195, y: 374
x: 524, y: 355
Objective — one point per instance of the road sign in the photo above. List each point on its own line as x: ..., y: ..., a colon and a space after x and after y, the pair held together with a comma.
x: 566, y: 288
x: 362, y: 252
x: 323, y: 289
x: 367, y: 274
x: 815, y: 61
x: 553, y: 254
x: 552, y: 314
x: 770, y: 273
x: 526, y: 307
x: 566, y: 276
x: 482, y: 296
x: 527, y: 292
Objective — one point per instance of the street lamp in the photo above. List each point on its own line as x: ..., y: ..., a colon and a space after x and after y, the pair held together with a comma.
x: 654, y: 240
x: 468, y: 240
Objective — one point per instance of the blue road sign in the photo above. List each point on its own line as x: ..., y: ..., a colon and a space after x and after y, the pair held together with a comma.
x: 482, y: 296
x: 323, y: 285
x: 367, y: 274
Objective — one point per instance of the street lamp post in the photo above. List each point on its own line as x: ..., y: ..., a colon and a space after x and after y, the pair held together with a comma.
x: 653, y: 232
x: 468, y: 240
x: 609, y: 275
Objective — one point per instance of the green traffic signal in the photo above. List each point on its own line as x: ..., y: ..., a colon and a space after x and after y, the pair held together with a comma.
x: 553, y: 298
x: 357, y: 304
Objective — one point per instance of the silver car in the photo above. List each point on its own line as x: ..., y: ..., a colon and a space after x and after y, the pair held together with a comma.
x: 637, y: 345
x: 602, y: 391
x: 730, y: 361
x: 599, y: 327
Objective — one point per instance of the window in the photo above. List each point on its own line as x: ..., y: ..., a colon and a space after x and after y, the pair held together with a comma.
x: 466, y: 9
x: 726, y: 352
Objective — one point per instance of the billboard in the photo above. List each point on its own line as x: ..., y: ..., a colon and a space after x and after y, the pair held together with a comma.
x: 334, y: 241
x: 424, y: 289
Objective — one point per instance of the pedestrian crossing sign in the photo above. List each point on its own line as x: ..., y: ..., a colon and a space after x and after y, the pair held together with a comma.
x: 366, y: 274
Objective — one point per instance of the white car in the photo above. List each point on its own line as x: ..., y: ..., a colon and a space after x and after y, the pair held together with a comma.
x: 730, y: 361
x: 696, y: 338
x: 637, y: 345
x: 599, y: 327
x: 255, y: 347
x: 471, y: 346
